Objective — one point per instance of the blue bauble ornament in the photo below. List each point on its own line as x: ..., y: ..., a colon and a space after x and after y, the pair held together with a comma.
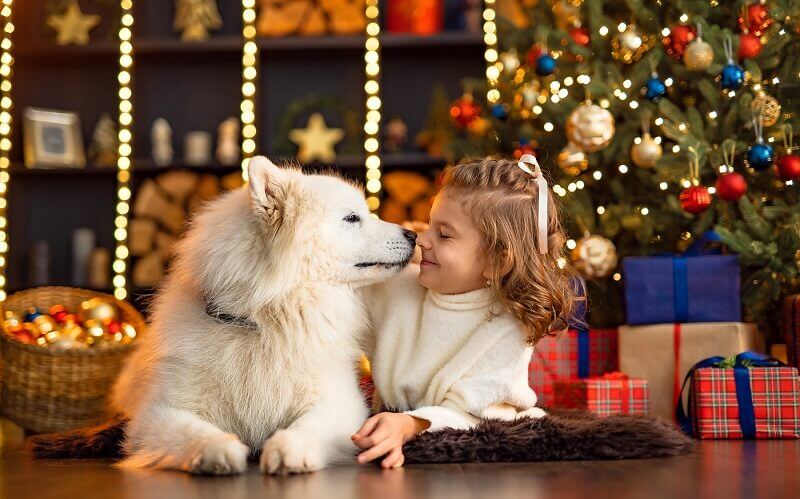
x: 732, y: 76
x: 545, y: 65
x: 500, y: 111
x: 760, y: 156
x: 31, y: 314
x: 654, y: 89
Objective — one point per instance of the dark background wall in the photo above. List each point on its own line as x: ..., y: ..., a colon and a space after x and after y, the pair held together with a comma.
x: 194, y: 86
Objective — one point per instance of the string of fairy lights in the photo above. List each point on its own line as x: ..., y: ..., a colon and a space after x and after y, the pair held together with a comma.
x: 125, y: 122
x: 6, y: 70
x: 372, y: 70
x: 493, y: 64
x: 247, y: 107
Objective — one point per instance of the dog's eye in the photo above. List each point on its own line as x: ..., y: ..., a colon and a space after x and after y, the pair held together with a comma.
x: 352, y: 218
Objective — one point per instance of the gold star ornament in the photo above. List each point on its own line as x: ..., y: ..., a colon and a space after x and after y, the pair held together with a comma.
x: 316, y: 141
x: 73, y: 26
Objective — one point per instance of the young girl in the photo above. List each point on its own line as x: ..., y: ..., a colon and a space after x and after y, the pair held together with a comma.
x: 453, y: 337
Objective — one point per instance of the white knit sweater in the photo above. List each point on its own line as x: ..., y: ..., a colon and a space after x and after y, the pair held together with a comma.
x: 438, y: 358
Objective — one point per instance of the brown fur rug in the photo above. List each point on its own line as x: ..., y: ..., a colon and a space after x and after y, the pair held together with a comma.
x: 558, y: 437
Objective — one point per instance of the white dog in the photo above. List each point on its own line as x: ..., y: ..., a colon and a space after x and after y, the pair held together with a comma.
x: 253, y: 341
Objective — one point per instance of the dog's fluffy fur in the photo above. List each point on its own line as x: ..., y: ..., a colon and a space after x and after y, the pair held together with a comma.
x: 287, y: 253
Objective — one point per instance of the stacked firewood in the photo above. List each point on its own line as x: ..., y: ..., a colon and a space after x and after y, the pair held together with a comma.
x: 408, y: 197
x: 161, y: 209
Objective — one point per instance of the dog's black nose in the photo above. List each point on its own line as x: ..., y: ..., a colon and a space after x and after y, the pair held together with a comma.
x: 410, y: 235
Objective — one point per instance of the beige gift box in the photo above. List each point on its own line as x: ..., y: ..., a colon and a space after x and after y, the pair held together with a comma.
x: 649, y: 352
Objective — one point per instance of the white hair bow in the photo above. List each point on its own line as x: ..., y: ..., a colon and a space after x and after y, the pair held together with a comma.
x: 541, y: 213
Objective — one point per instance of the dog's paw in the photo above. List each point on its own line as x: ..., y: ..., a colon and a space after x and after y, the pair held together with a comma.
x: 288, y: 451
x: 220, y: 455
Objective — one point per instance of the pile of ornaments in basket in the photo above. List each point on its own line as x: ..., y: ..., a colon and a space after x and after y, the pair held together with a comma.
x: 95, y: 325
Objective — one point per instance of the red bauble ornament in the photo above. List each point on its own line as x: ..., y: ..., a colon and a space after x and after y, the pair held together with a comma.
x: 114, y: 327
x: 579, y: 36
x: 60, y: 316
x: 677, y: 40
x: 523, y: 149
x: 731, y: 186
x: 533, y: 55
x: 757, y: 20
x: 695, y: 199
x: 464, y: 110
x: 788, y: 167
x: 24, y: 336
x: 749, y: 45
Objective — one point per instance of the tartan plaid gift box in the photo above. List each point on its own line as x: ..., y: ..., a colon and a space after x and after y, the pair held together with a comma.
x: 578, y: 353
x: 607, y: 395
x: 749, y: 396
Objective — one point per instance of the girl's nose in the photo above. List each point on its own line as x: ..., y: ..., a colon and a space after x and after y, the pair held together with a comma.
x: 423, y: 241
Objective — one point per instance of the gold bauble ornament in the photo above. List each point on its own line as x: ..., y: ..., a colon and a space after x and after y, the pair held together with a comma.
x: 645, y: 151
x: 94, y: 328
x: 479, y: 126
x: 698, y: 55
x: 595, y: 256
x: 45, y: 324
x: 572, y: 159
x: 768, y: 107
x: 590, y: 127
x: 630, y: 45
x: 99, y: 310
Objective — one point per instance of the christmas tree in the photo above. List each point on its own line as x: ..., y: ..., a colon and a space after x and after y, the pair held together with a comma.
x: 658, y: 122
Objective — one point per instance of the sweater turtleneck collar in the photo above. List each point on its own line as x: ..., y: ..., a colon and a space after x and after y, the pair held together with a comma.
x: 471, y: 300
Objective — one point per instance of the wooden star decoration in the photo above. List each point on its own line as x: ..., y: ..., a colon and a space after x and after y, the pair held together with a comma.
x: 73, y: 26
x: 316, y: 141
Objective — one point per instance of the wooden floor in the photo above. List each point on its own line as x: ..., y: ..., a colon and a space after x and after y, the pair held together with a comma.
x: 718, y: 469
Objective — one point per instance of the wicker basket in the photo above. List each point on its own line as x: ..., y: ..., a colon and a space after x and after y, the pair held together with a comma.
x: 46, y: 391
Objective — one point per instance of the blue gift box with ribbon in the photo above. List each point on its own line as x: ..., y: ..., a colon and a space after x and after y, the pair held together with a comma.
x: 671, y: 289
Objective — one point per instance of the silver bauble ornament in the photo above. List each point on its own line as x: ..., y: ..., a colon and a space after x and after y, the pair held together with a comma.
x: 595, y: 256
x: 698, y: 55
x: 590, y: 127
x: 645, y: 152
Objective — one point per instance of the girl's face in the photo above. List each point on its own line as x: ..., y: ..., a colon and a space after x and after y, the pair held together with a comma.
x: 452, y: 259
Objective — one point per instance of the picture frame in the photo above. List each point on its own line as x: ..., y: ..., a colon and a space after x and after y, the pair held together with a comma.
x: 52, y: 139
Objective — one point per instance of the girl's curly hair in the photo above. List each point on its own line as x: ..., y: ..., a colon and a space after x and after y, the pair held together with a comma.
x: 501, y: 199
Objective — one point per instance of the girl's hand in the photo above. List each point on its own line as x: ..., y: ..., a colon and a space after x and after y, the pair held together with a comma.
x: 385, y: 434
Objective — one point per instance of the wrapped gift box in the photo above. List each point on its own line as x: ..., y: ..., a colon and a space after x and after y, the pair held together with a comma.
x: 744, y: 402
x: 791, y: 326
x: 575, y: 354
x: 607, y: 395
x: 649, y: 352
x: 666, y: 289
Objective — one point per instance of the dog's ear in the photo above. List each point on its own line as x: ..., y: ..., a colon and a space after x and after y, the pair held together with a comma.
x: 267, y: 186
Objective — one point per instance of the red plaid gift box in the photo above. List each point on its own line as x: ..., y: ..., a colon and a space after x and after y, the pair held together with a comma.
x: 607, y: 395
x: 791, y: 326
x: 775, y: 400
x: 560, y: 358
